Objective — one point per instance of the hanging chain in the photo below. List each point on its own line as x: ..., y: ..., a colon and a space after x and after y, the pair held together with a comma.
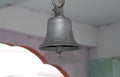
x: 58, y: 7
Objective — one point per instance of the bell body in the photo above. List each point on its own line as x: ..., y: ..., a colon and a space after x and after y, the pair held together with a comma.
x: 59, y: 34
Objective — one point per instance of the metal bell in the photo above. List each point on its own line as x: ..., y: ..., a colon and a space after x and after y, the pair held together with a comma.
x: 59, y: 35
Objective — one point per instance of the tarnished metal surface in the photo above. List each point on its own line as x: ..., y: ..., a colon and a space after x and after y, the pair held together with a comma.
x: 59, y: 35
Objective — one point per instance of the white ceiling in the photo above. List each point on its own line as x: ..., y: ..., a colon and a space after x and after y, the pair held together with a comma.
x: 95, y: 12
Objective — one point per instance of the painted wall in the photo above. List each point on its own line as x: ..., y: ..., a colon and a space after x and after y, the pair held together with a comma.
x: 108, y: 42
x: 75, y: 63
x: 35, y: 23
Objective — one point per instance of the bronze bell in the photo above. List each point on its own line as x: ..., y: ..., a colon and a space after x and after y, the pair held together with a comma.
x: 59, y: 35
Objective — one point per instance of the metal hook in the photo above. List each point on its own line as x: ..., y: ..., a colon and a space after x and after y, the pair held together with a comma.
x: 58, y: 6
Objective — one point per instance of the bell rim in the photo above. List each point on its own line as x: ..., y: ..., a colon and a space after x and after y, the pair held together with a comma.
x: 67, y: 47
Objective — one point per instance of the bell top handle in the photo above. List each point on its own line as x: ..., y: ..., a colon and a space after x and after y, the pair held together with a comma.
x: 60, y: 3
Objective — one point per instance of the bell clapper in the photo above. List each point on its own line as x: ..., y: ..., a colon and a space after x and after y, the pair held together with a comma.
x: 59, y: 51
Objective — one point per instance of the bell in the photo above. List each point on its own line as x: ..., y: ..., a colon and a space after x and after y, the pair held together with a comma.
x: 59, y: 35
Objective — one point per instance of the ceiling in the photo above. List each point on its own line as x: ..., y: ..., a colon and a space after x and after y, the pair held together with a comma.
x: 94, y: 12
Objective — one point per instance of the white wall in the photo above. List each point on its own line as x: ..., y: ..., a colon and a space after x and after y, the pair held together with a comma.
x: 84, y: 34
x: 108, y: 42
x: 35, y: 23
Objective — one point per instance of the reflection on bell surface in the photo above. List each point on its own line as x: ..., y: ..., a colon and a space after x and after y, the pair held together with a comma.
x: 59, y: 34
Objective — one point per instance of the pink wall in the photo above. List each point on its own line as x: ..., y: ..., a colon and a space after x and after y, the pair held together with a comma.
x: 20, y: 39
x: 74, y: 62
